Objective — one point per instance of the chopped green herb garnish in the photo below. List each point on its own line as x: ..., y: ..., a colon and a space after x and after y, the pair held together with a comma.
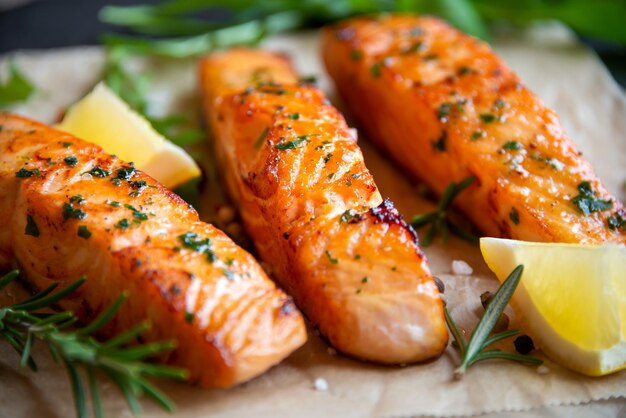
x: 364, y: 279
x: 476, y: 135
x: 556, y: 164
x: 283, y: 146
x: 294, y: 116
x: 31, y: 227
x: 375, y: 69
x: 122, y: 224
x: 70, y: 212
x: 192, y: 241
x: 330, y: 176
x: 262, y: 138
x: 512, y: 146
x: 115, y: 204
x: 66, y: 144
x: 357, y: 256
x: 327, y: 157
x: 189, y: 317
x: 136, y: 213
x: 98, y: 171
x: 331, y: 258
x: 464, y: 71
x: 514, y: 216
x: 444, y: 111
x: 346, y: 216
x: 77, y: 199
x: 499, y: 104
x: 138, y: 185
x: 441, y: 143
x: 84, y: 232
x: 24, y: 173
x: 488, y: 117
x: 587, y: 201
x: 616, y: 222
x: 125, y: 173
x: 356, y: 55
x: 430, y: 57
x: 71, y: 161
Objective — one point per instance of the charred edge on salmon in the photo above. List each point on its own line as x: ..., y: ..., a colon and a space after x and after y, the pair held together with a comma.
x: 387, y: 213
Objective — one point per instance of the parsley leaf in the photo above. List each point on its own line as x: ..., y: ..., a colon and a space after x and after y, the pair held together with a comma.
x: 16, y: 88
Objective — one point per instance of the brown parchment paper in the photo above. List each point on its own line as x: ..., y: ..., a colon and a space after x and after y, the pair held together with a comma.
x: 566, y: 76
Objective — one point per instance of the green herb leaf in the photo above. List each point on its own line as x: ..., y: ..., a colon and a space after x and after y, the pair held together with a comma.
x: 84, y: 232
x: 475, y: 350
x: 587, y: 201
x: 71, y: 161
x: 192, y: 241
x: 439, y: 220
x: 16, y: 88
x: 283, y: 146
x: 78, y: 350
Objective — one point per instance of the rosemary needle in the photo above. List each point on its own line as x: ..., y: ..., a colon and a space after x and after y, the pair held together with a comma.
x: 476, y: 349
x: 20, y: 325
x: 439, y: 219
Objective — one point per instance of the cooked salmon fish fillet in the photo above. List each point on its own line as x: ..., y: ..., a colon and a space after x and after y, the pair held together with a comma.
x: 445, y: 107
x: 67, y: 209
x: 312, y: 208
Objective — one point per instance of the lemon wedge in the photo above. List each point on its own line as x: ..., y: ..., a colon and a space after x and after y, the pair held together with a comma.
x: 102, y: 118
x: 571, y: 299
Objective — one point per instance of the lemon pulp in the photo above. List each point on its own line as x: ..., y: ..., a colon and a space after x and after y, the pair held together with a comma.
x: 104, y: 119
x: 571, y: 299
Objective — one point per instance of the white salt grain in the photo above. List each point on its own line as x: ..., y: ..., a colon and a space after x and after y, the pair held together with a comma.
x: 320, y: 384
x: 543, y: 369
x: 461, y: 267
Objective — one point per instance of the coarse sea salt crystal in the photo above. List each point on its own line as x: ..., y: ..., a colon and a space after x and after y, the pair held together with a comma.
x: 543, y: 369
x: 320, y: 384
x: 461, y: 267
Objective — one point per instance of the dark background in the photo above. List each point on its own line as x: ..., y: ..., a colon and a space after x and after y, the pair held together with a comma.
x: 57, y: 23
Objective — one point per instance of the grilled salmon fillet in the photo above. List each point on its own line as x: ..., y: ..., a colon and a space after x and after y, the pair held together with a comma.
x: 445, y: 107
x: 295, y: 171
x: 68, y: 209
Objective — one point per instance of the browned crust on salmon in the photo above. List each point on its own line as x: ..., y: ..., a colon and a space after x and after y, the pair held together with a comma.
x: 444, y: 106
x: 229, y: 320
x: 314, y: 212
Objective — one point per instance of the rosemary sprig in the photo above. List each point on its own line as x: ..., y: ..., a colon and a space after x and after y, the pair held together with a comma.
x: 198, y: 26
x: 439, y: 219
x: 477, y: 348
x: 21, y: 325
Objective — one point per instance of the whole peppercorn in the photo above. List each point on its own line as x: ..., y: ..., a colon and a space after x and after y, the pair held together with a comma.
x: 485, y: 298
x: 524, y: 344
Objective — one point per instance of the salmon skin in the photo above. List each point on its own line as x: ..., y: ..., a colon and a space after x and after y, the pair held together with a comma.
x: 69, y: 209
x: 316, y: 217
x: 444, y: 106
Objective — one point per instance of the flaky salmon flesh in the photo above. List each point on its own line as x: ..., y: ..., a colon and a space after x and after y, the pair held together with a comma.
x: 313, y: 210
x: 445, y: 107
x: 67, y: 209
